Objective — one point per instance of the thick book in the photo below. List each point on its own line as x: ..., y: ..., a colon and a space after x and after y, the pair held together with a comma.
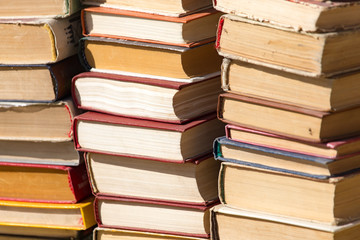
x: 22, y: 121
x: 287, y: 120
x: 276, y: 159
x: 149, y: 59
x: 159, y: 7
x: 332, y: 201
x: 332, y: 149
x: 38, y: 8
x: 104, y: 133
x: 301, y: 15
x: 43, y: 183
x: 71, y: 216
x: 308, y: 54
x: 152, y: 216
x: 189, y: 30
x: 318, y: 93
x: 146, y: 98
x: 38, y: 83
x: 229, y: 223
x: 39, y: 40
x: 39, y: 152
x: 101, y: 233
x: 193, y: 182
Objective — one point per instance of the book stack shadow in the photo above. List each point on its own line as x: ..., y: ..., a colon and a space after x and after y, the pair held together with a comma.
x: 150, y: 98
x: 291, y: 155
x: 44, y: 191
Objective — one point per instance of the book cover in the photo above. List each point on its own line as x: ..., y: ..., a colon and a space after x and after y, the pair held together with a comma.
x: 43, y: 183
x: 333, y: 149
x: 193, y: 182
x: 38, y: 83
x: 201, y: 30
x: 151, y: 216
x: 145, y: 139
x: 149, y: 60
x: 72, y: 216
x: 38, y: 9
x: 39, y: 41
x: 139, y: 97
x: 274, y: 159
x: 311, y: 15
x: 287, y: 120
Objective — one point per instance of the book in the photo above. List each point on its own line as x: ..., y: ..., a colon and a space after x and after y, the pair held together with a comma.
x: 38, y: 8
x: 276, y: 159
x: 308, y: 54
x: 23, y: 121
x: 44, y: 152
x: 39, y: 40
x: 193, y: 182
x: 159, y: 7
x: 287, y: 120
x: 43, y: 183
x: 149, y: 59
x: 104, y: 133
x: 71, y: 216
x: 228, y: 223
x: 185, y: 31
x: 301, y: 15
x: 332, y: 201
x: 45, y: 232
x: 38, y: 83
x: 332, y: 149
x: 145, y: 98
x: 152, y: 216
x: 318, y: 93
x: 120, y: 234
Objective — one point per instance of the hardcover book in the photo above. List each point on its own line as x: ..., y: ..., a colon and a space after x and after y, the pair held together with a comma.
x: 71, y: 216
x: 185, y: 31
x: 146, y: 98
x: 43, y: 152
x: 159, y: 7
x: 276, y: 159
x: 301, y: 15
x: 43, y: 183
x: 332, y: 201
x: 120, y: 234
x: 319, y: 93
x: 38, y: 83
x: 308, y: 54
x: 193, y: 182
x: 38, y: 8
x: 149, y: 59
x: 228, y: 223
x: 332, y: 149
x: 287, y: 120
x: 23, y: 121
x: 103, y: 133
x: 152, y: 216
x: 38, y: 41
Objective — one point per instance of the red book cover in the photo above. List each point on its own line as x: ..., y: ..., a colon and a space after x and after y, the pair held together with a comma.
x: 23, y: 177
x: 106, y: 77
x: 152, y: 204
x: 113, y: 11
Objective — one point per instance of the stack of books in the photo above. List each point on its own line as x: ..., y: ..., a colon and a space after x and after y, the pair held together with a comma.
x: 291, y: 154
x: 44, y: 190
x: 150, y: 96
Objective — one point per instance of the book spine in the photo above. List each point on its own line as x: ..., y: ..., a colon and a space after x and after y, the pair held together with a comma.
x: 219, y: 31
x: 78, y: 182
